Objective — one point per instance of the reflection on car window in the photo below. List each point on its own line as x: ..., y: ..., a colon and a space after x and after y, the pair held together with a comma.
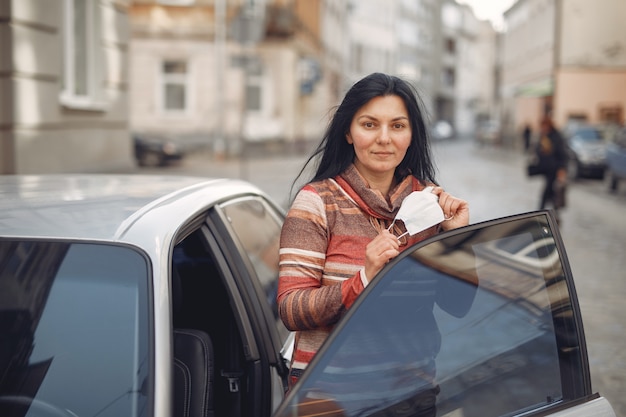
x: 476, y: 324
x: 258, y: 230
x: 74, y: 317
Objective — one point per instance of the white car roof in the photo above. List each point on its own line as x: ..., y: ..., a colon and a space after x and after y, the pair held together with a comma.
x: 107, y: 207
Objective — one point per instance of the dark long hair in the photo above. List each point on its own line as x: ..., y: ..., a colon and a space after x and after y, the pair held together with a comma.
x: 334, y: 154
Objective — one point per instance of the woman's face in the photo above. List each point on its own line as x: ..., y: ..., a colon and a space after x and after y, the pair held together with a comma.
x: 381, y: 134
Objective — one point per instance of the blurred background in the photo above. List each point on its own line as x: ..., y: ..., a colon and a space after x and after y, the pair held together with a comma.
x: 245, y: 88
x: 100, y: 85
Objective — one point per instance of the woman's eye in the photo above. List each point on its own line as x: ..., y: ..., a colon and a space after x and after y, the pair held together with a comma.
x: 398, y: 125
x: 368, y: 125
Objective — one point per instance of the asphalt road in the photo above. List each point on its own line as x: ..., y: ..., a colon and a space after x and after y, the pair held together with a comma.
x: 493, y: 180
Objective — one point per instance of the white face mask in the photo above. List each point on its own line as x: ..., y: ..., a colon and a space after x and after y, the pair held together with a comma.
x: 419, y: 211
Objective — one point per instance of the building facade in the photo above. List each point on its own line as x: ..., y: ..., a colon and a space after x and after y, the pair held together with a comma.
x: 228, y: 73
x: 590, y: 78
x: 467, y: 86
x: 79, y: 78
x: 63, y: 86
x: 417, y: 26
x: 565, y: 59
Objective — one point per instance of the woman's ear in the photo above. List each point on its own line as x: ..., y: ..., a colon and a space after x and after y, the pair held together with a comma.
x: 349, y: 138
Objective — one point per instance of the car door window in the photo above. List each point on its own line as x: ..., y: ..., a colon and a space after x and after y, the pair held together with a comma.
x: 477, y: 323
x: 257, y: 226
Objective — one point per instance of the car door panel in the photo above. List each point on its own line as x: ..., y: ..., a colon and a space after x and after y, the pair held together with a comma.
x: 479, y: 321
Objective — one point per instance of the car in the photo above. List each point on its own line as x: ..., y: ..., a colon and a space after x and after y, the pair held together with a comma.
x: 157, y: 150
x: 586, y: 150
x: 155, y: 296
x: 616, y: 160
x: 123, y: 295
x: 488, y: 132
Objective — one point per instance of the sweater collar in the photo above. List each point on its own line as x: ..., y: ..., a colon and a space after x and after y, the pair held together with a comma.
x: 372, y: 201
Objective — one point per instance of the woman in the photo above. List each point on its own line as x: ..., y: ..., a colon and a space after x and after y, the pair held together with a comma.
x: 334, y: 240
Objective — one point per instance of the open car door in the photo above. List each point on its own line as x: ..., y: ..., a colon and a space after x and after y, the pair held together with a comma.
x: 476, y: 322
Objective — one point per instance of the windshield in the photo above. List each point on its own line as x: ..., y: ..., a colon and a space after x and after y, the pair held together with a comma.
x: 477, y: 324
x: 588, y: 135
x: 73, y: 330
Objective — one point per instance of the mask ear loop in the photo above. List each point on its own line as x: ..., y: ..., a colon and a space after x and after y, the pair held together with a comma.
x: 406, y: 233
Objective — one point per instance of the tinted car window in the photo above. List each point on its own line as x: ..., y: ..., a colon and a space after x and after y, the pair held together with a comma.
x: 73, y: 330
x: 258, y: 229
x: 476, y: 324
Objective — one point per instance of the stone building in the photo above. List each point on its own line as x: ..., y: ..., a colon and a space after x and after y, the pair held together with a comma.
x: 63, y: 86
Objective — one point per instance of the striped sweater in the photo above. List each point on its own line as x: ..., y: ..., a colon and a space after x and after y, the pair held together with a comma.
x: 322, y: 254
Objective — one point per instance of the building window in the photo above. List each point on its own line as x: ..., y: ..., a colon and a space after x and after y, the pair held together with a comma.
x: 449, y: 77
x: 175, y: 86
x: 611, y: 114
x: 80, y: 82
x: 450, y: 46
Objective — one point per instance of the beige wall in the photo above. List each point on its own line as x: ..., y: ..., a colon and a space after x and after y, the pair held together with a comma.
x: 591, y: 76
x: 587, y: 92
x: 528, y: 110
x: 583, y: 68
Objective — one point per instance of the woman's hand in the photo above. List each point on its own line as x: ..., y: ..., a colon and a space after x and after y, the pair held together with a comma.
x: 379, y: 251
x: 455, y: 210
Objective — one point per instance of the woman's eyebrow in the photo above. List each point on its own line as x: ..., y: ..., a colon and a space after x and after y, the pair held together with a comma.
x: 367, y: 116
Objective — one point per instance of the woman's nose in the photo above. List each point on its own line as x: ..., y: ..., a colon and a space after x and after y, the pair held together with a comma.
x: 384, y: 137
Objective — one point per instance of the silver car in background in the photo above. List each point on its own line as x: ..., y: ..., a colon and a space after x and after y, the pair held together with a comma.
x: 586, y: 149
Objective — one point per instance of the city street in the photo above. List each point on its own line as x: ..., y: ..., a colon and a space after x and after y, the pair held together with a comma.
x: 493, y: 180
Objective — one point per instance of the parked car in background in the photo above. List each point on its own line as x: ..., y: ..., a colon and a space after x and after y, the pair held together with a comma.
x: 156, y: 150
x: 616, y: 160
x: 586, y: 149
x: 488, y: 132
x: 155, y: 296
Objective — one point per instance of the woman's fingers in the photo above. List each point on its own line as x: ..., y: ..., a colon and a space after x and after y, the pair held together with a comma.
x: 379, y: 251
x: 455, y: 210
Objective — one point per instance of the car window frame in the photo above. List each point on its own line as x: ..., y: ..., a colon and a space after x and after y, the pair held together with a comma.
x: 580, y: 394
x: 219, y: 226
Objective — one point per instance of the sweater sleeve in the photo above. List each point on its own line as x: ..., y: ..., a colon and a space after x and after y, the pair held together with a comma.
x: 305, y: 301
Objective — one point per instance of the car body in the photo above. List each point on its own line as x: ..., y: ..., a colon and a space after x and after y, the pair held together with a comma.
x: 488, y: 132
x: 616, y: 159
x: 156, y: 296
x: 102, y: 274
x: 156, y: 150
x: 586, y: 149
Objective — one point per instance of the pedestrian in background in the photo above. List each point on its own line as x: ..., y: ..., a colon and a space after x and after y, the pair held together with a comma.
x: 340, y: 230
x: 552, y: 157
x: 526, y: 135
